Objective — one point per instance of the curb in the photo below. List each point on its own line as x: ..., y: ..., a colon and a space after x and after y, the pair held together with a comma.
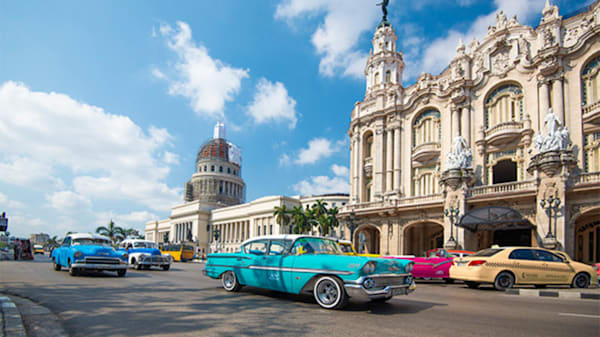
x: 556, y: 294
x: 12, y: 322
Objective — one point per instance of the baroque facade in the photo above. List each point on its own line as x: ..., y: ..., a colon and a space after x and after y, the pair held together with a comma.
x: 502, y: 147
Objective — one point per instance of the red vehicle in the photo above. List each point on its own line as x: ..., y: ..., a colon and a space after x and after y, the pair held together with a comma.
x: 436, y: 265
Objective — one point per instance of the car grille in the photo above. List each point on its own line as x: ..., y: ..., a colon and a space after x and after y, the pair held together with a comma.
x: 381, y: 282
x: 155, y: 258
x: 102, y: 260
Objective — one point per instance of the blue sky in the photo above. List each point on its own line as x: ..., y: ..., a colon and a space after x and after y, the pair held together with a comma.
x: 104, y: 104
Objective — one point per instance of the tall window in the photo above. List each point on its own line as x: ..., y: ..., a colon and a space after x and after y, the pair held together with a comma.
x: 368, y: 146
x: 505, y: 104
x: 388, y: 76
x: 590, y: 83
x: 425, y: 181
x: 426, y: 128
x: 591, y: 152
x: 377, y: 78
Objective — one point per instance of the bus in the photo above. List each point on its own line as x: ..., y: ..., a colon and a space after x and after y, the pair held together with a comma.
x: 178, y: 251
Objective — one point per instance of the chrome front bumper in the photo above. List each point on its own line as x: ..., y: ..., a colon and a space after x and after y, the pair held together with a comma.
x: 155, y: 261
x: 99, y: 266
x: 402, y: 284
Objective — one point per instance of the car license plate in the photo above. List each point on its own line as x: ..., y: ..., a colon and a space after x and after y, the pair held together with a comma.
x: 397, y: 291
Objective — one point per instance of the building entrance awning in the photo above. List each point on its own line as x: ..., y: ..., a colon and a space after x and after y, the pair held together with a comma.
x: 493, y: 218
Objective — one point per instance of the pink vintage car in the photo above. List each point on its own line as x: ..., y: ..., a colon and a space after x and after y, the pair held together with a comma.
x: 436, y: 265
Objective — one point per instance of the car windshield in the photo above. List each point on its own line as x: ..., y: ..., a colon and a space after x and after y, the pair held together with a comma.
x: 488, y: 252
x: 144, y: 245
x: 315, y: 246
x: 90, y: 241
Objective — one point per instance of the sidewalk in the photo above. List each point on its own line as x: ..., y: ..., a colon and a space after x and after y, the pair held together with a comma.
x: 592, y: 293
x: 22, y: 317
x: 10, y: 318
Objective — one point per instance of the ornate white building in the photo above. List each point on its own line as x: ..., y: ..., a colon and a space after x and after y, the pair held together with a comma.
x: 491, y: 143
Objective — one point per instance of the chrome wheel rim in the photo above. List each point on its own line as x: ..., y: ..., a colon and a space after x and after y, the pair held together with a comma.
x: 581, y: 281
x: 504, y: 281
x: 327, y: 292
x: 228, y: 280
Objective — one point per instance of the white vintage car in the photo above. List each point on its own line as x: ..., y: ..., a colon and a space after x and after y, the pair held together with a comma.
x: 144, y: 254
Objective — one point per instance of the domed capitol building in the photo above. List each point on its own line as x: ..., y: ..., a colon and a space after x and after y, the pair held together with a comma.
x: 502, y: 147
x: 214, y: 202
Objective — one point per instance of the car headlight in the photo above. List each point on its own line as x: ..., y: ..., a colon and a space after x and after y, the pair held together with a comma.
x: 409, y: 267
x: 368, y: 283
x: 369, y: 268
x: 78, y: 254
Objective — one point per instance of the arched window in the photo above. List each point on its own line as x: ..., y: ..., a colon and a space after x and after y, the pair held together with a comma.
x: 388, y: 76
x: 377, y: 78
x: 426, y: 128
x: 590, y: 83
x: 368, y: 145
x: 505, y: 104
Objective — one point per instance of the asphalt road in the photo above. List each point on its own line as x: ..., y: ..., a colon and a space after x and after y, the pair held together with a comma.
x: 182, y: 302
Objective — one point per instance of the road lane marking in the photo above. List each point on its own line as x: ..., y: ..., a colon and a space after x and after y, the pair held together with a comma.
x: 578, y: 315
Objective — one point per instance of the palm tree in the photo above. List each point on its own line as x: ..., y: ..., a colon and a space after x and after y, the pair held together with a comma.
x: 331, y: 221
x: 115, y: 233
x: 299, y: 220
x: 282, y: 216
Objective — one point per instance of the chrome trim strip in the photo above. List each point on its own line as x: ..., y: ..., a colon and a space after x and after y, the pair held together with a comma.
x: 299, y: 270
x: 361, y: 279
x: 99, y: 266
x: 232, y: 257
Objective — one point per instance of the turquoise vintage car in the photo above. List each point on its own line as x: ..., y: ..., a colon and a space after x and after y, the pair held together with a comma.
x: 301, y: 263
x: 82, y: 251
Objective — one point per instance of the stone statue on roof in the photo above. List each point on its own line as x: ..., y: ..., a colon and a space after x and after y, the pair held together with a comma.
x: 384, y: 5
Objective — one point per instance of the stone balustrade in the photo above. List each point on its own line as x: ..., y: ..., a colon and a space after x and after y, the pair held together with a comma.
x: 515, y: 186
x: 589, y: 177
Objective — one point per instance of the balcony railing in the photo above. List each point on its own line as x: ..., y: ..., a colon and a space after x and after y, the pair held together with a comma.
x: 589, y: 177
x: 416, y: 200
x: 516, y: 186
x: 591, y: 112
x: 510, y: 125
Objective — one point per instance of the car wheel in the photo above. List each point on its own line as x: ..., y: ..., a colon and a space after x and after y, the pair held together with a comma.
x: 330, y: 293
x: 55, y: 265
x: 121, y: 272
x: 472, y: 285
x: 230, y: 281
x: 73, y: 271
x: 581, y: 280
x: 166, y: 267
x: 135, y: 264
x: 504, y: 280
x: 449, y: 280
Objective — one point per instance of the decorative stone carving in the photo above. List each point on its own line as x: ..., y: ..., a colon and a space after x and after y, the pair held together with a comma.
x: 500, y: 63
x: 556, y: 138
x: 548, y: 38
x: 523, y: 47
x: 501, y: 21
x: 460, y: 156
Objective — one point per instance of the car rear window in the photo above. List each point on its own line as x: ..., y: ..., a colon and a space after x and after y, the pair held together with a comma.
x: 488, y: 252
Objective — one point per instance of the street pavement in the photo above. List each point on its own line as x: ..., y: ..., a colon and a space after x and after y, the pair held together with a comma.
x: 182, y: 302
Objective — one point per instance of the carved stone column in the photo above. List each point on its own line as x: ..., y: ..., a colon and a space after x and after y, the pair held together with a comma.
x: 389, y: 169
x: 544, y: 99
x: 361, y: 171
x: 466, y: 124
x: 456, y: 121
x: 378, y: 164
x: 397, y: 156
x: 558, y: 100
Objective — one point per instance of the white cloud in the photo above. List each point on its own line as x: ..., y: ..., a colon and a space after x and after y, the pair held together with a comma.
x: 285, y: 160
x: 158, y: 74
x: 337, y: 36
x: 171, y: 158
x: 339, y: 183
x: 68, y: 201
x: 50, y: 136
x: 6, y: 204
x: 272, y: 103
x: 440, y: 52
x: 318, y: 148
x: 208, y: 83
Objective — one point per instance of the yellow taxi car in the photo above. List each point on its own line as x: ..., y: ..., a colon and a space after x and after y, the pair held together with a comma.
x: 38, y: 249
x: 506, y: 266
x: 348, y: 249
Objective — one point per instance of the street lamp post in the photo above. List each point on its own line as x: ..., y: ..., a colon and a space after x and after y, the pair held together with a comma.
x: 351, y: 221
x: 452, y: 213
x: 217, y: 235
x: 551, y: 205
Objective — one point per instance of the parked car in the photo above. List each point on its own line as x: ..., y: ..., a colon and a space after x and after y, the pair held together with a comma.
x: 506, y: 266
x: 144, y: 254
x: 301, y: 263
x: 92, y: 252
x: 348, y: 249
x: 38, y: 249
x: 436, y: 264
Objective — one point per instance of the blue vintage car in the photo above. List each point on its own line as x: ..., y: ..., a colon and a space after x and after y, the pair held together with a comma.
x: 300, y: 263
x: 82, y: 251
x: 144, y: 254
